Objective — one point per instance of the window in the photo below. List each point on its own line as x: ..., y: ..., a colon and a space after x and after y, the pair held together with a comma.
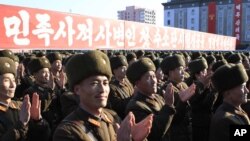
x: 168, y: 22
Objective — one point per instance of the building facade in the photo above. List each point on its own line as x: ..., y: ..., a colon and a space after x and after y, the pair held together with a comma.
x: 137, y: 14
x: 223, y: 17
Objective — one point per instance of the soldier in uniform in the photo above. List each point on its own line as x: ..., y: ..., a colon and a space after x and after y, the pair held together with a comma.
x: 246, y: 106
x: 19, y: 121
x: 26, y: 80
x: 44, y: 87
x: 159, y: 74
x: 90, y: 120
x: 173, y: 68
x: 203, y: 100
x: 219, y: 98
x: 145, y: 101
x: 55, y: 60
x: 230, y: 81
x: 121, y: 89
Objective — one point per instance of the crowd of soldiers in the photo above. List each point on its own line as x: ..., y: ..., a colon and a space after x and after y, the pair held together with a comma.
x: 109, y: 95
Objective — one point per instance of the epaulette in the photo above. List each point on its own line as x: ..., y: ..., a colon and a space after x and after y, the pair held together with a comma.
x: 232, y: 117
x: 3, y: 108
x: 41, y: 88
x: 15, y: 104
x: 94, y: 122
x: 106, y: 118
x: 152, y: 102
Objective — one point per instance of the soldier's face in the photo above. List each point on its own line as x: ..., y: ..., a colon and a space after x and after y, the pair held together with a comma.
x: 120, y: 73
x: 42, y: 76
x: 159, y: 74
x: 148, y: 83
x: 56, y: 65
x: 238, y: 95
x: 178, y: 74
x: 93, y: 92
x: 7, y: 86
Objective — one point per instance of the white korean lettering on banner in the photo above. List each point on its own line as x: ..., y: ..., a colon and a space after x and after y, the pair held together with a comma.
x: 104, y: 33
x: 70, y: 31
x: 201, y: 41
x: 86, y: 31
x: 166, y: 39
x: 130, y: 36
x: 118, y: 35
x: 181, y: 39
x: 188, y: 41
x: 12, y: 26
x: 174, y: 39
x: 43, y: 29
x: 157, y: 37
x: 145, y: 37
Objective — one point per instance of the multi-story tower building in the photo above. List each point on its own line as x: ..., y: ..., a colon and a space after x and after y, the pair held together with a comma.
x: 224, y: 17
x: 137, y: 14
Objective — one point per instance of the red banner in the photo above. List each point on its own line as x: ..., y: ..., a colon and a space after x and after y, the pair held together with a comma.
x: 28, y: 28
x: 211, y: 17
x: 237, y: 19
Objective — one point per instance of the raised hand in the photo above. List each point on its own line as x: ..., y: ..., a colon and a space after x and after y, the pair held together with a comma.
x: 35, y: 109
x: 141, y: 130
x: 124, y: 130
x: 24, y: 115
x: 186, y: 94
x: 168, y: 95
x: 20, y: 71
x: 62, y: 80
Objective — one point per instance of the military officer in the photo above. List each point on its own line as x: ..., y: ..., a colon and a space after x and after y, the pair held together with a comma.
x: 145, y: 101
x: 44, y: 87
x: 230, y: 81
x: 121, y: 89
x: 90, y: 120
x: 19, y: 121
x: 173, y: 67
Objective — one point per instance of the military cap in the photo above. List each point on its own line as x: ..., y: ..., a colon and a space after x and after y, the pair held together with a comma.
x: 15, y: 58
x: 234, y: 58
x: 150, y: 55
x: 171, y: 63
x: 40, y: 54
x: 7, y: 65
x: 54, y: 56
x: 210, y: 59
x: 219, y: 57
x: 118, y: 61
x: 7, y: 53
x: 185, y: 54
x: 157, y: 62
x: 82, y: 66
x: 37, y: 64
x: 218, y: 64
x: 197, y: 65
x: 227, y: 54
x: 140, y: 53
x: 229, y: 76
x: 196, y: 55
x: 130, y: 56
x: 137, y: 69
